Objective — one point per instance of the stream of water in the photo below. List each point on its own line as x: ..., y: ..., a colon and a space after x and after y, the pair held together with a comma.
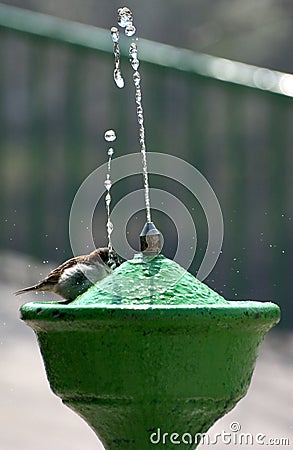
x: 110, y: 136
x: 125, y: 20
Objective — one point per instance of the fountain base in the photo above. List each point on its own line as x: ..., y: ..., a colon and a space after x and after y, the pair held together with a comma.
x: 131, y: 371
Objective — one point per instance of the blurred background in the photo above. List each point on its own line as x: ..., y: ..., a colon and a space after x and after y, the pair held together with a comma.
x: 56, y: 101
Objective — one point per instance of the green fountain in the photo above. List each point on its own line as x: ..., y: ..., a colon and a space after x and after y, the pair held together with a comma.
x: 150, y: 357
x: 150, y: 350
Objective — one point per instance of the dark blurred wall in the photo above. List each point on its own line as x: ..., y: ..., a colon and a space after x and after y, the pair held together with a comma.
x: 257, y: 32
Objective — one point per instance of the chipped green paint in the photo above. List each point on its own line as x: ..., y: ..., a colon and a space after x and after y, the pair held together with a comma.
x: 150, y: 348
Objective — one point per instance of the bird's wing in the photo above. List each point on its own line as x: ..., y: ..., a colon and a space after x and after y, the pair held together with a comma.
x: 55, y: 274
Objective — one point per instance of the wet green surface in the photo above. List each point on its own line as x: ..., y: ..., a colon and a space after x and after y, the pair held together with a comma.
x: 147, y: 280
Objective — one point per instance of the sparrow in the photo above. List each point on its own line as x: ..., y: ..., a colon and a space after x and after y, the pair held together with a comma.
x: 76, y: 275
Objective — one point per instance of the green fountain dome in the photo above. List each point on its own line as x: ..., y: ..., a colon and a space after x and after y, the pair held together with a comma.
x: 150, y: 280
x: 150, y: 286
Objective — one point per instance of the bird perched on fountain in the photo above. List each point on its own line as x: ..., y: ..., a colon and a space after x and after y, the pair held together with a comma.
x: 76, y: 275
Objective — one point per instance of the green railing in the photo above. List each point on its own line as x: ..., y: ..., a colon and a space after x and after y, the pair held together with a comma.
x: 230, y: 120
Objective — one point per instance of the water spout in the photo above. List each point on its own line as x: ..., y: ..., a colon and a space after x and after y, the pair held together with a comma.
x: 125, y: 20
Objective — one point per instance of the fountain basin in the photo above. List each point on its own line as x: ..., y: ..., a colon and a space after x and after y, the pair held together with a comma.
x: 131, y: 369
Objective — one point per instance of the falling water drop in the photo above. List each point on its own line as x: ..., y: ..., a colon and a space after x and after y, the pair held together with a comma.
x: 133, y: 50
x: 138, y: 96
x: 139, y: 109
x: 111, y: 152
x: 136, y: 79
x: 110, y: 227
x: 125, y: 18
x: 108, y: 184
x: 110, y: 135
x: 108, y: 199
x: 118, y: 78
x: 140, y: 119
x: 130, y: 30
x: 115, y: 34
x: 134, y: 63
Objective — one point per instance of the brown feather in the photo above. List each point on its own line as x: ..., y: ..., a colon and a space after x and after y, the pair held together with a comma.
x: 100, y: 255
x: 42, y: 286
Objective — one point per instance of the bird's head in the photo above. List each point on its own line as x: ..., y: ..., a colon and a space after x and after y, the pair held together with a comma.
x: 110, y: 258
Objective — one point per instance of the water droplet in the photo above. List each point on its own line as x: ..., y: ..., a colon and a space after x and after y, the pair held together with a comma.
x: 110, y: 227
x: 130, y: 30
x: 118, y: 78
x: 133, y: 50
x: 134, y: 63
x: 136, y: 79
x: 111, y: 152
x: 115, y: 34
x: 108, y: 184
x: 139, y: 109
x: 108, y: 199
x: 117, y: 53
x: 140, y: 115
x: 110, y: 136
x: 138, y: 96
x: 124, y: 17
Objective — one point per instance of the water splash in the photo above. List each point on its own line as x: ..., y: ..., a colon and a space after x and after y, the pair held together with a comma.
x: 125, y: 20
x: 109, y: 136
